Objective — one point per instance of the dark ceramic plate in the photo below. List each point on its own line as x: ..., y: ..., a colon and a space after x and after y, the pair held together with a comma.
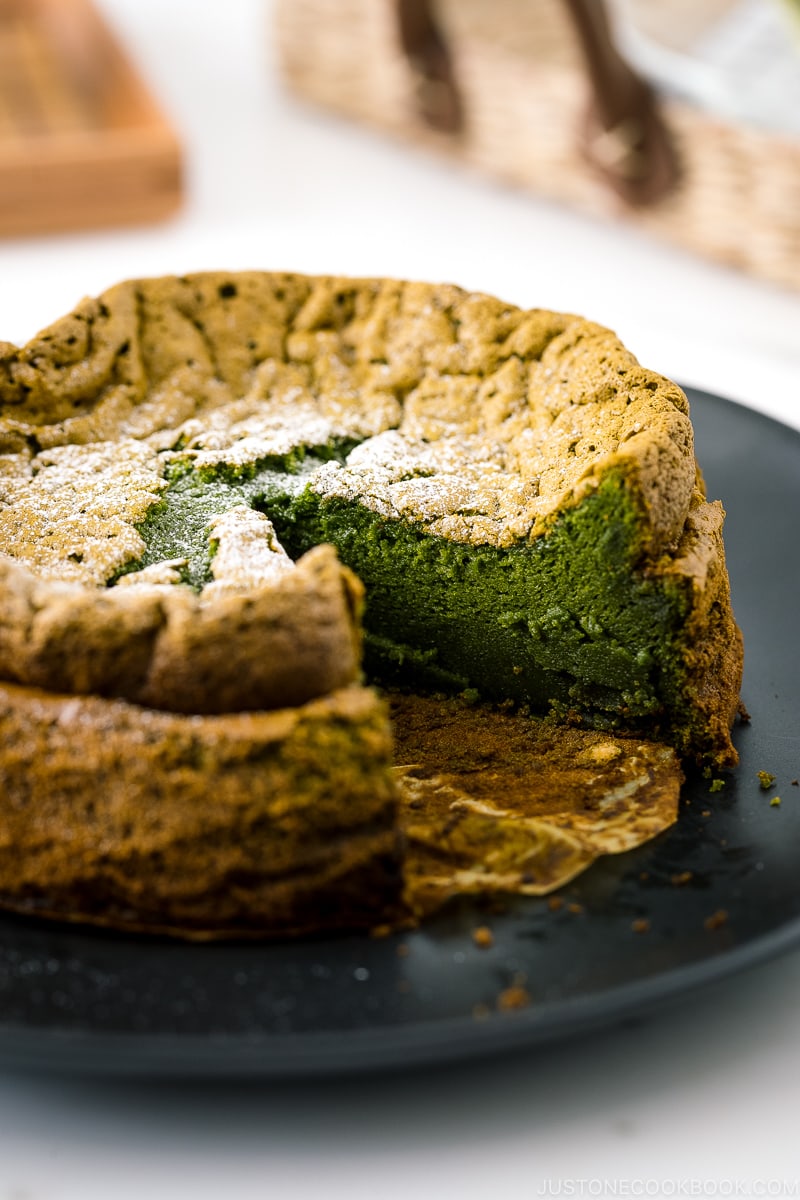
x: 720, y: 891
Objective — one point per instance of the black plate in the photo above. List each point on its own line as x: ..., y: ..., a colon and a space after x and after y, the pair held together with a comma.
x: 96, y: 1002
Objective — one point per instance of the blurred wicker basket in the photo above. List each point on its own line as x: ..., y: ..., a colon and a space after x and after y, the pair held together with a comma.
x: 523, y: 85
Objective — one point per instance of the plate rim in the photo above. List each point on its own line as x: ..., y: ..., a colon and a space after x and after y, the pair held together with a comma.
x: 372, y: 1049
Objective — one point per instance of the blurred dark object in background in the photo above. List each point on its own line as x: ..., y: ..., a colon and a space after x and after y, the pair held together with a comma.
x: 586, y: 103
x: 82, y: 143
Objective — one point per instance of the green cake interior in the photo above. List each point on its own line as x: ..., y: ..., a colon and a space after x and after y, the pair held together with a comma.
x: 564, y: 622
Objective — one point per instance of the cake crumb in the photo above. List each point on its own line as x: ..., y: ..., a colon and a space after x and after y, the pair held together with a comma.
x: 706, y: 812
x: 483, y: 937
x: 380, y: 931
x: 796, y: 783
x: 716, y: 920
x: 717, y: 785
x: 575, y: 908
x: 640, y: 925
x: 513, y: 997
x: 765, y: 780
x: 775, y: 802
x: 554, y: 903
x: 681, y: 877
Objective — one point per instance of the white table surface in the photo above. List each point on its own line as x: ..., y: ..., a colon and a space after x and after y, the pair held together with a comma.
x: 698, y: 1099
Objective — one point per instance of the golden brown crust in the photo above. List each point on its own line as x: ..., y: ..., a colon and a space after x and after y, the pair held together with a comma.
x: 261, y: 821
x: 712, y: 646
x: 495, y: 456
x: 482, y: 420
x: 274, y: 646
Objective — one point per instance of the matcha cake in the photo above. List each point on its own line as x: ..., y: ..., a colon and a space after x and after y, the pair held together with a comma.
x: 516, y: 495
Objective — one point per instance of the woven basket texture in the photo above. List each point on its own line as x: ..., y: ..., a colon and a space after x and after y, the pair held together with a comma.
x: 525, y: 94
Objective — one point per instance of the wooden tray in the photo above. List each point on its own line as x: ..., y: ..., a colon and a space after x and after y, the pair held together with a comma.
x: 82, y: 143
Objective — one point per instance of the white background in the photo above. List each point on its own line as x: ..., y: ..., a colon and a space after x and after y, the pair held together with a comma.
x: 703, y: 1096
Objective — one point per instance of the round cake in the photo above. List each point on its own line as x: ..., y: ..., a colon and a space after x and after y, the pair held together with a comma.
x: 207, y: 481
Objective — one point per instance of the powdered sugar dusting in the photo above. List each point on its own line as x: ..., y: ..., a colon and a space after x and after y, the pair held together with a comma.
x: 72, y: 513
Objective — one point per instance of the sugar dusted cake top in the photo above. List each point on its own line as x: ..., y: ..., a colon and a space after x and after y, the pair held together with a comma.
x: 473, y: 418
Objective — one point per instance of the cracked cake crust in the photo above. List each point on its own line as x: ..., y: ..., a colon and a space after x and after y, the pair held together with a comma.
x: 446, y: 412
x: 487, y: 420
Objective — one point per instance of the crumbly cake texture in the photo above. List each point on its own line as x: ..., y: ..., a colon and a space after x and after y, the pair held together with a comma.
x: 518, y: 495
x: 207, y: 826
